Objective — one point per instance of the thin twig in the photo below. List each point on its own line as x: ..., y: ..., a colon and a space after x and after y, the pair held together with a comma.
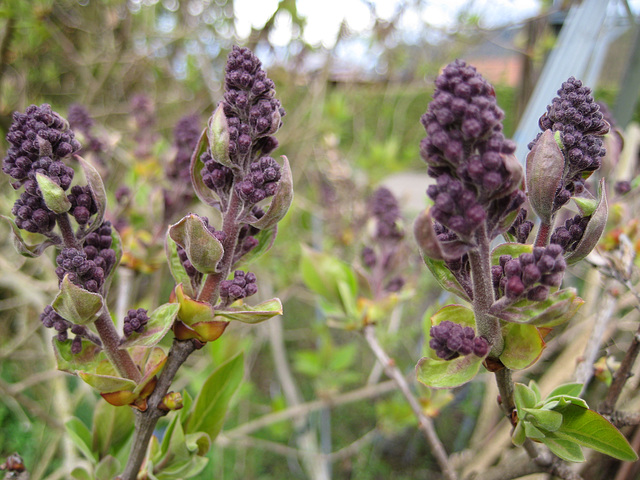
x: 621, y: 376
x: 424, y: 423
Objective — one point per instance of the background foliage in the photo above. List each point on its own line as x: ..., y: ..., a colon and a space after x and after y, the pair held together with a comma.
x: 317, y: 387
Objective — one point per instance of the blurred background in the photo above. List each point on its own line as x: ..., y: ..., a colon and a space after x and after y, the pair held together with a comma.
x: 354, y: 77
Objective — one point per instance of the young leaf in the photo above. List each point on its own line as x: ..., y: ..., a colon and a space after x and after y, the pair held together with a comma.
x: 548, y: 420
x: 175, y: 266
x: 565, y: 449
x: 281, y: 201
x: 160, y: 321
x: 523, y: 346
x: 54, y: 196
x: 253, y: 314
x: 531, y: 431
x: 24, y: 249
x: 77, y: 304
x: 513, y: 249
x: 81, y: 437
x: 111, y: 427
x: 202, y: 248
x: 594, y: 229
x: 203, y: 192
x: 524, y: 397
x: 213, y: 400
x: 592, y: 430
x: 108, y: 468
x: 322, y: 273
x: 94, y: 180
x: 447, y: 373
x: 519, y: 434
x: 570, y: 389
x: 445, y: 278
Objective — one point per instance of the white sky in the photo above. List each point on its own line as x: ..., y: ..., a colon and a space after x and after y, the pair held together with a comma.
x: 324, y: 16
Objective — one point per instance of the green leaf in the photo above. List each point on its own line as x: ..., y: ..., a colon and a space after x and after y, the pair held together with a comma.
x: 107, y: 383
x: 445, y: 278
x: 524, y: 397
x: 54, y: 196
x: 558, y: 308
x: 253, y: 314
x: 218, y: 137
x: 565, y: 449
x: 519, y: 435
x: 213, y: 399
x: 447, y: 373
x: 533, y: 432
x: 24, y: 249
x: 160, y: 322
x: 592, y: 430
x: 523, y: 346
x: 77, y: 304
x: 108, y: 468
x: 265, y: 240
x: 81, y: 437
x: 203, y: 249
x: 548, y: 420
x: 81, y: 473
x: 94, y: 181
x: 281, y: 200
x: 178, y: 272
x: 198, y: 443
x: 586, y: 205
x: 112, y: 426
x: 88, y: 358
x: 593, y: 230
x: 570, y: 389
x: 323, y: 273
x: 203, y: 192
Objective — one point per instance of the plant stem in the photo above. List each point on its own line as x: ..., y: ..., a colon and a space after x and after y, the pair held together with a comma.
x: 69, y: 238
x: 487, y: 325
x: 621, y: 376
x: 425, y: 424
x: 505, y: 387
x: 543, y: 234
x: 146, y: 421
x: 120, y: 359
x: 231, y: 228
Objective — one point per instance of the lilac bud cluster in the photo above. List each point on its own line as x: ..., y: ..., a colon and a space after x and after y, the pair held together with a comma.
x: 81, y: 271
x: 385, y: 209
x: 82, y: 204
x: 32, y: 214
x: 467, y: 153
x: 39, y: 139
x: 382, y: 256
x: 81, y: 121
x: 50, y: 319
x: 135, y: 321
x: 243, y: 285
x: 97, y: 247
x: 521, y: 227
x: 253, y: 114
x: 569, y: 235
x: 261, y: 181
x: 186, y: 134
x: 530, y: 275
x: 456, y: 206
x: 216, y: 176
x: 577, y: 117
x: 450, y: 340
x: 143, y: 113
